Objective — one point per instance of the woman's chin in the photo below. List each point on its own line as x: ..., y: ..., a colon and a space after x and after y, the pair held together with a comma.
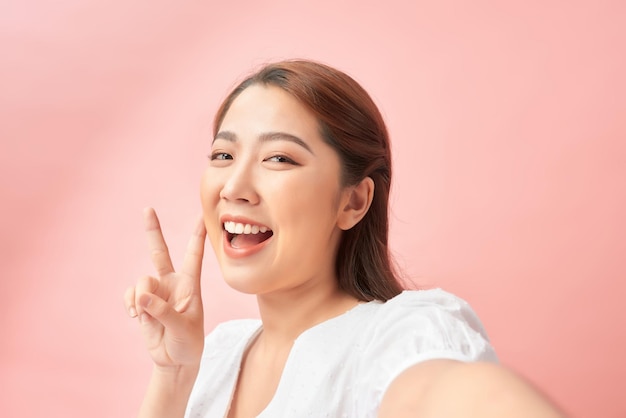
x: 247, y: 284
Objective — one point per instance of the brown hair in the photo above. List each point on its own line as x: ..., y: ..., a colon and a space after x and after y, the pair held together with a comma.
x: 351, y: 123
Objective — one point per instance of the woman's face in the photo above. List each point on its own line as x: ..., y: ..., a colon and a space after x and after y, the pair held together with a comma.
x: 271, y: 195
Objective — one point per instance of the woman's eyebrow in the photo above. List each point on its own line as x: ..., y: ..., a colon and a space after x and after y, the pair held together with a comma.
x: 226, y: 135
x: 268, y: 136
x: 283, y: 136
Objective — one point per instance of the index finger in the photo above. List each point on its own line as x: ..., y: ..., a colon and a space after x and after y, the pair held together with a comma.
x: 156, y: 243
x: 192, y: 264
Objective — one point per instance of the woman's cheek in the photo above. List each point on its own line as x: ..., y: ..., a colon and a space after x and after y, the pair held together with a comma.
x: 209, y: 189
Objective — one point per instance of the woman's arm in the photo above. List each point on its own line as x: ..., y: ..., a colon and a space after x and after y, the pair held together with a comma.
x: 450, y: 389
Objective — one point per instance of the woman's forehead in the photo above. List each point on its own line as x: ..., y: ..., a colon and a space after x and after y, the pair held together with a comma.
x: 262, y: 109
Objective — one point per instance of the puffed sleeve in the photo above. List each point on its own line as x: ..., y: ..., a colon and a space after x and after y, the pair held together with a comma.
x: 416, y: 326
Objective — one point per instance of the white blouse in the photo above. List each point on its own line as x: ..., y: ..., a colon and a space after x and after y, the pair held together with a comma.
x: 343, y: 366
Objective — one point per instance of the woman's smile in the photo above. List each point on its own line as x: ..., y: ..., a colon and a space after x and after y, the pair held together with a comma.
x: 243, y: 237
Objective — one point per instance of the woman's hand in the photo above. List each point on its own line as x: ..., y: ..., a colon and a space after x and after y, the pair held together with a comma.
x: 169, y: 307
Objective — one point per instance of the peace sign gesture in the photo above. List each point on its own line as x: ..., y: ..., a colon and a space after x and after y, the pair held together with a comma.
x: 169, y: 307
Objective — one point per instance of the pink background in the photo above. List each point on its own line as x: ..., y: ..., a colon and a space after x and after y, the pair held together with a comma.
x: 508, y: 121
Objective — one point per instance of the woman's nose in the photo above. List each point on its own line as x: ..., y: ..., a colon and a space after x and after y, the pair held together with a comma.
x: 240, y: 185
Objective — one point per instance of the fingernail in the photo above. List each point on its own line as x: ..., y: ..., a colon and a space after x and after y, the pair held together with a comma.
x: 132, y: 312
x: 144, y: 317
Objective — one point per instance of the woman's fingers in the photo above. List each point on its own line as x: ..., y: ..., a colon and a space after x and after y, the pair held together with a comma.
x: 157, y: 309
x: 156, y: 243
x: 154, y: 312
x: 129, y: 302
x: 192, y: 264
x: 160, y: 318
x: 146, y: 285
x: 169, y: 306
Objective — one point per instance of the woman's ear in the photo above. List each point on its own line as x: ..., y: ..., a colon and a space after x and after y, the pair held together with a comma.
x: 355, y: 203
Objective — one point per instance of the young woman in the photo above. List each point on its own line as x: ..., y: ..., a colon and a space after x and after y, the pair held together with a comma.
x: 294, y: 203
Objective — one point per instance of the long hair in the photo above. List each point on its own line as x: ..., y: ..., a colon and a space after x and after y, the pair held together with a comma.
x: 350, y: 122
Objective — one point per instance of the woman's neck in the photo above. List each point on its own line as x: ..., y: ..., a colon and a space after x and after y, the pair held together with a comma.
x: 286, y: 315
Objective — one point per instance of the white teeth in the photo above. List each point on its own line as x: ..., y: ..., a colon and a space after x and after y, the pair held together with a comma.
x: 239, y: 228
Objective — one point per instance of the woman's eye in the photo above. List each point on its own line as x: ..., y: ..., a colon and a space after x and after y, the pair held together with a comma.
x: 221, y: 156
x: 281, y: 159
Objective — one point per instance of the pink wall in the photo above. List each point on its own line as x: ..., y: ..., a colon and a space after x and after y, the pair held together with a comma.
x: 509, y: 129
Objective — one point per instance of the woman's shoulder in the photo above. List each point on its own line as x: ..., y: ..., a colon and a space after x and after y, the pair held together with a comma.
x: 433, y: 321
x: 429, y: 302
x: 413, y: 327
x: 426, y: 302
